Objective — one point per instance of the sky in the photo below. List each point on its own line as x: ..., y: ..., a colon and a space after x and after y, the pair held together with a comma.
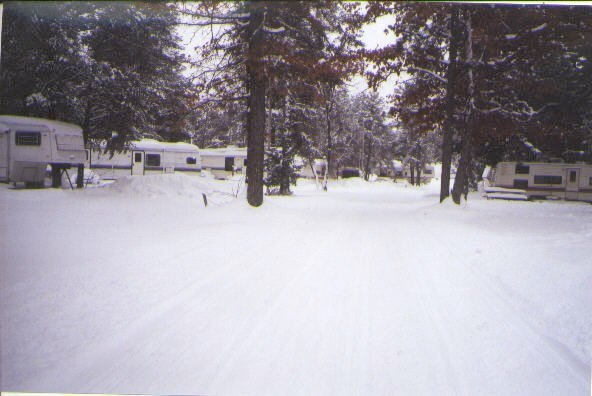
x: 372, y: 35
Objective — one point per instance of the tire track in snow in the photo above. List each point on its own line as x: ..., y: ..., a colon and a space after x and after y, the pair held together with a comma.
x: 422, y: 352
x: 485, y: 312
x: 103, y: 361
x: 111, y: 363
x: 247, y: 339
x: 298, y: 304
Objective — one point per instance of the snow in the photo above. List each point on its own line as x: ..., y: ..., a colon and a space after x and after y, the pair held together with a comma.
x: 268, y: 29
x: 369, y: 288
x: 151, y: 144
x: 519, y: 197
x: 230, y: 151
x: 539, y: 28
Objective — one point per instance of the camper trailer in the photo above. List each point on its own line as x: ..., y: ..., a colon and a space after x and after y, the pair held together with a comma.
x: 144, y: 157
x: 404, y: 171
x: 28, y: 145
x: 545, y: 180
x: 224, y: 162
x: 306, y: 169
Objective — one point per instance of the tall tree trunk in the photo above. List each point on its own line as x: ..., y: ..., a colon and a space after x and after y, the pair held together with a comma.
x: 256, y: 114
x: 285, y: 166
x: 329, y: 145
x: 368, y: 158
x: 418, y: 174
x: 462, y: 174
x: 412, y: 173
x: 449, y: 121
x: 329, y: 95
x: 86, y: 123
x: 269, y: 130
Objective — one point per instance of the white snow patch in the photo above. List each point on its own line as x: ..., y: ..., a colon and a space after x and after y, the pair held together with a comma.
x: 539, y: 28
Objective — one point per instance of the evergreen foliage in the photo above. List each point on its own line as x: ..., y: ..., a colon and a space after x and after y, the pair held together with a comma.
x: 518, y: 71
x: 109, y: 67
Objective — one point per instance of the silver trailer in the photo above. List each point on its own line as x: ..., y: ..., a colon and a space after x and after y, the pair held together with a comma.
x: 545, y: 180
x: 28, y: 145
x: 145, y: 157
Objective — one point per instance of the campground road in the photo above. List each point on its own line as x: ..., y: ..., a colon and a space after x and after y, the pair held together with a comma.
x: 353, y: 294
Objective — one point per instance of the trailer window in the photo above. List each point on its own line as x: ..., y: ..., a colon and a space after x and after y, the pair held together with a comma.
x: 590, y: 181
x: 548, y: 180
x: 522, y: 169
x: 138, y: 157
x: 153, y: 159
x: 191, y: 160
x: 23, y: 138
x: 521, y: 184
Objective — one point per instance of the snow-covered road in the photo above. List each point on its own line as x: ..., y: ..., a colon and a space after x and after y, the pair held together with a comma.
x: 372, y: 288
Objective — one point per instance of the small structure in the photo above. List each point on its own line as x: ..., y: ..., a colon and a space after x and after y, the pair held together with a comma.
x: 404, y: 171
x: 350, y: 172
x: 306, y: 167
x: 397, y: 170
x: 144, y: 157
x: 545, y: 180
x: 223, y: 163
x: 28, y: 145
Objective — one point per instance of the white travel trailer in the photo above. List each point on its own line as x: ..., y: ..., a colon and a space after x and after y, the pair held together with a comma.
x: 305, y: 168
x: 28, y: 145
x: 545, y: 180
x: 224, y: 162
x: 144, y: 157
x: 427, y: 172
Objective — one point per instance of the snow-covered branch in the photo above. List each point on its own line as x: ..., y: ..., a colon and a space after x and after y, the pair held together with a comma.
x: 428, y: 72
x: 268, y: 29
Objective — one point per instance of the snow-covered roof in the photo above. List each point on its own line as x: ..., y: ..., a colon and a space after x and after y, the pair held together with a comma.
x: 230, y: 151
x: 151, y: 144
x: 545, y: 164
x: 12, y: 121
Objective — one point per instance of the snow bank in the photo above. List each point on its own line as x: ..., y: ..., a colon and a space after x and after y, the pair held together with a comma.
x: 162, y: 185
x: 178, y: 185
x: 90, y: 178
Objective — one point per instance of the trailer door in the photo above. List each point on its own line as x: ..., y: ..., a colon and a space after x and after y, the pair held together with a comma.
x: 138, y: 159
x: 4, y: 139
x: 572, y: 184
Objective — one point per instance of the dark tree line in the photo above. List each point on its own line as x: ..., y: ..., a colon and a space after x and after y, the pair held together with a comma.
x: 111, y: 67
x: 488, y: 76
